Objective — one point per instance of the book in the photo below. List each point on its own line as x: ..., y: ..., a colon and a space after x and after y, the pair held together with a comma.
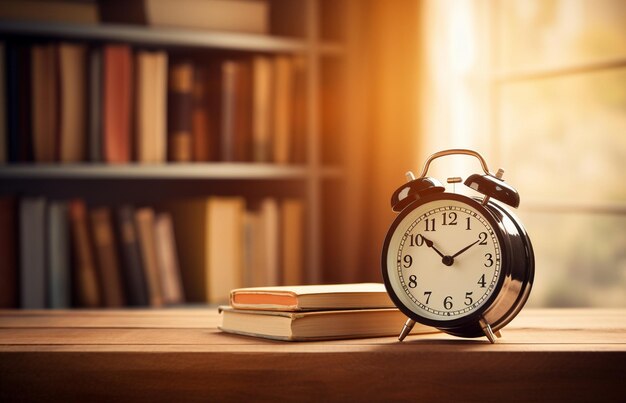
x: 312, y: 297
x: 201, y: 128
x: 8, y: 253
x: 85, y: 282
x: 298, y: 138
x: 283, y: 108
x: 151, y: 107
x: 72, y: 104
x: 316, y: 325
x: 225, y: 246
x: 144, y: 219
x: 235, y: 111
x: 82, y: 12
x: 117, y: 92
x: 269, y: 239
x: 262, y: 109
x: 59, y: 281
x: 167, y: 259
x: 3, y: 105
x: 32, y: 253
x: 179, y: 111
x: 18, y: 80
x: 107, y: 261
x: 292, y: 235
x: 211, y: 250
x: 216, y: 15
x: 94, y: 134
x: 130, y: 258
x: 44, y: 102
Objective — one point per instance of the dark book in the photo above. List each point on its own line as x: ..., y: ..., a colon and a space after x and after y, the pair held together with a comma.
x: 130, y: 257
x: 44, y: 102
x: 107, y: 261
x: 33, y: 253
x: 179, y: 111
x: 94, y: 140
x: 86, y: 290
x: 18, y: 91
x: 58, y: 256
x: 201, y: 129
x: 3, y: 104
x: 117, y: 106
x: 8, y: 253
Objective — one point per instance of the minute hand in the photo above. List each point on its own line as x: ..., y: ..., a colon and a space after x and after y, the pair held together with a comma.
x: 464, y: 249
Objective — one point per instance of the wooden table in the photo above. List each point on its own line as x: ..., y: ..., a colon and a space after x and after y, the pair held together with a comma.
x: 179, y: 355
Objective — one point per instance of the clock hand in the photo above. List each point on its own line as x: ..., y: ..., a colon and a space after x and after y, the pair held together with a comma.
x: 429, y: 243
x: 464, y: 249
x: 447, y: 260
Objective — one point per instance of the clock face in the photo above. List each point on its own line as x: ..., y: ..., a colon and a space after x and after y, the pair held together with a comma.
x: 444, y: 260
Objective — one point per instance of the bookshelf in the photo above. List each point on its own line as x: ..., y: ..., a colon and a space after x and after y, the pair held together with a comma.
x: 299, y: 28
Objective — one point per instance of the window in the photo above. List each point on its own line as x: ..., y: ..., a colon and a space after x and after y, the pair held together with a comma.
x: 539, y: 87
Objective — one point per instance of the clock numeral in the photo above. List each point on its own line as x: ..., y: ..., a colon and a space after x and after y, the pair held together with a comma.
x: 427, y: 294
x: 469, y: 227
x: 482, y: 237
x: 468, y: 298
x: 489, y: 261
x: 413, y: 281
x: 447, y: 302
x: 416, y: 240
x: 482, y: 281
x: 430, y: 224
x: 408, y: 261
x: 452, y: 216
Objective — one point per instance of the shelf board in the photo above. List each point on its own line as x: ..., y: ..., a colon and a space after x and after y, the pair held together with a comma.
x: 214, y: 171
x: 144, y: 35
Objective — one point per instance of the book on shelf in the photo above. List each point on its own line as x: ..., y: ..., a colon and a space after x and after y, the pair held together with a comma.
x: 151, y: 118
x: 167, y: 259
x: 72, y: 11
x: 3, y: 105
x: 312, y: 297
x: 32, y: 241
x: 250, y: 16
x: 8, y: 253
x: 315, y: 325
x: 95, y: 113
x: 211, y: 254
x: 179, y: 111
x: 292, y: 230
x: 18, y: 108
x: 130, y: 256
x: 235, y: 110
x: 72, y: 93
x: 262, y: 108
x: 144, y: 218
x: 86, y: 291
x: 58, y: 256
x: 283, y: 90
x: 117, y: 103
x: 44, y: 102
x: 204, y: 147
x: 107, y: 261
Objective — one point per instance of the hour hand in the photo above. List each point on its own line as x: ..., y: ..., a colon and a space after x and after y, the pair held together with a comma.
x: 429, y: 243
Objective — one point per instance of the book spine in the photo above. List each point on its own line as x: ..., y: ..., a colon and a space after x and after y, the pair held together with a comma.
x: 59, y: 276
x: 8, y: 253
x: 72, y: 137
x: 117, y: 103
x: 44, y: 101
x: 180, y: 107
x: 144, y: 218
x: 85, y: 282
x: 32, y: 253
x: 95, y: 106
x: 132, y: 265
x: 18, y: 103
x: 200, y: 120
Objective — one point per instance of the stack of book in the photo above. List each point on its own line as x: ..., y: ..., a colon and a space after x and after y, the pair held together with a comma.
x: 314, y: 312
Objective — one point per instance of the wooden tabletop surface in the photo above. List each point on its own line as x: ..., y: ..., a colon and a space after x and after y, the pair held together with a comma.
x: 167, y: 354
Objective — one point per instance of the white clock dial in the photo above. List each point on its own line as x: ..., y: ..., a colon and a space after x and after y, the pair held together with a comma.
x: 444, y: 260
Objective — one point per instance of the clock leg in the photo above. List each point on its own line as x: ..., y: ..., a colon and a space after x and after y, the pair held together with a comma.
x: 489, y: 332
x: 406, y: 329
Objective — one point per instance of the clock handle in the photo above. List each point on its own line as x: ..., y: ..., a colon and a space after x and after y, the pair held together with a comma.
x: 454, y: 151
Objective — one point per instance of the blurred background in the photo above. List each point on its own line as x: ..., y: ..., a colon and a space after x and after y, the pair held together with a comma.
x: 270, y: 135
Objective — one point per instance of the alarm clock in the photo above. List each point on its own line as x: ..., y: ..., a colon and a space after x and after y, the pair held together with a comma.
x: 462, y: 264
